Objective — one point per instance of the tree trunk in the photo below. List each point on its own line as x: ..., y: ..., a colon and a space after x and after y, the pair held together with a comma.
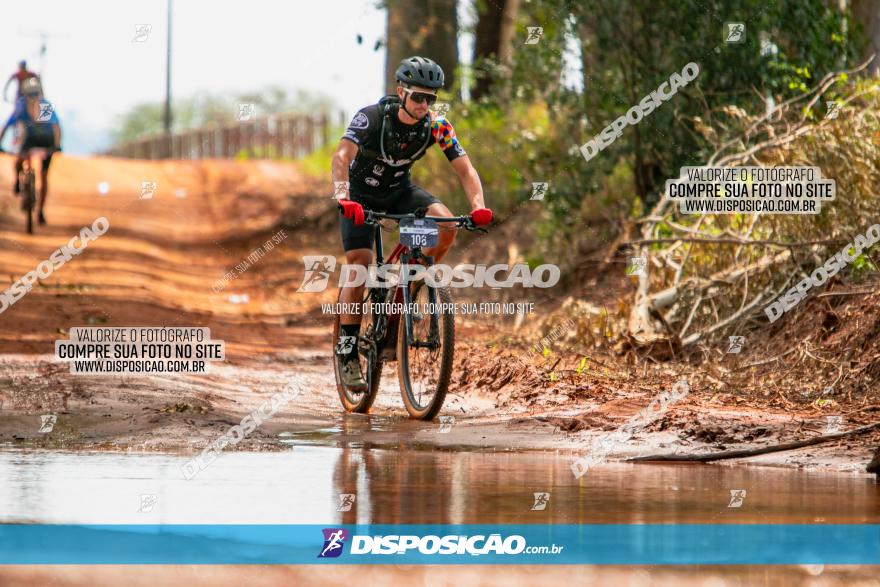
x: 428, y: 28
x: 587, y: 41
x: 505, y: 43
x: 867, y: 14
x: 486, y: 45
x: 398, y: 43
x: 493, y: 46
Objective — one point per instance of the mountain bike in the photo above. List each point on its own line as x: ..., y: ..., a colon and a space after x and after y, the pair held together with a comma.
x: 424, y: 347
x: 27, y: 182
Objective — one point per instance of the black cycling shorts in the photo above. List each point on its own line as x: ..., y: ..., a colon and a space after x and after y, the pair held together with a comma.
x: 401, y: 200
x: 39, y: 140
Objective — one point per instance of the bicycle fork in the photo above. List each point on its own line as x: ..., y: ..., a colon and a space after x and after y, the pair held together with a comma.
x: 431, y: 343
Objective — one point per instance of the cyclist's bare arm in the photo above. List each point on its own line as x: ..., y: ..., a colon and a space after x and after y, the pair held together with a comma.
x: 342, y: 158
x: 56, y: 128
x: 470, y: 181
x: 6, y: 87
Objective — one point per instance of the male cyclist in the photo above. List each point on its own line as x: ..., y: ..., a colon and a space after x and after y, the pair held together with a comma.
x: 20, y: 76
x: 41, y: 130
x: 373, y: 159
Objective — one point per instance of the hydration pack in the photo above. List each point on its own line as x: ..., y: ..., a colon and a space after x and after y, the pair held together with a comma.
x: 388, y: 107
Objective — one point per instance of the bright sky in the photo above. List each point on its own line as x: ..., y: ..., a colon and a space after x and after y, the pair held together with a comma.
x: 93, y: 71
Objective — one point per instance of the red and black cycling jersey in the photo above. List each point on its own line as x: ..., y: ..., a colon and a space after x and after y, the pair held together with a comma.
x: 20, y: 77
x: 370, y: 171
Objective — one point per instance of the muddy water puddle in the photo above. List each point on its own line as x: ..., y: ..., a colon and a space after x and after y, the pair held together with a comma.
x: 304, y: 484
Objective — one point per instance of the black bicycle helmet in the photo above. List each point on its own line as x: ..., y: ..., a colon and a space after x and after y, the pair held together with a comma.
x: 420, y: 71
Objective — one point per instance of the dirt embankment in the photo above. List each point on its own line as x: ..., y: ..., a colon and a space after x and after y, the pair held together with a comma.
x: 163, y: 262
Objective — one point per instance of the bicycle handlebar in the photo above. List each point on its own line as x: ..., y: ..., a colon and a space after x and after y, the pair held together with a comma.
x: 412, y: 215
x: 466, y: 222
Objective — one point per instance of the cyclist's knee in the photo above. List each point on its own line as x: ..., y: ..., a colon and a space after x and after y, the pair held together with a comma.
x: 447, y: 236
x: 447, y: 232
x: 359, y: 257
x: 439, y: 209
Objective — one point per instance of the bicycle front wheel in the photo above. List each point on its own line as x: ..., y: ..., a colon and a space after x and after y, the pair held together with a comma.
x: 424, y: 365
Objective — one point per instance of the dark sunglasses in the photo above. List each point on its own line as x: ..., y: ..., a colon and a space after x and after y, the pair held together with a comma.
x: 421, y: 97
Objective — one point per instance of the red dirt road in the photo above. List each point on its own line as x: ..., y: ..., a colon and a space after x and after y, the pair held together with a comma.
x: 162, y: 263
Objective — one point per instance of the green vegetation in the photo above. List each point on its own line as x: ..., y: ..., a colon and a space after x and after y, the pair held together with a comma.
x: 205, y: 110
x: 528, y: 128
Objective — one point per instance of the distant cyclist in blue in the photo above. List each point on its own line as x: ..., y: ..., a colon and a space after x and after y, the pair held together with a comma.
x: 41, y: 130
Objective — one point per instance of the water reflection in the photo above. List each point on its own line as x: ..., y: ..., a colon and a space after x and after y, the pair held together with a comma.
x: 411, y: 486
x: 394, y: 481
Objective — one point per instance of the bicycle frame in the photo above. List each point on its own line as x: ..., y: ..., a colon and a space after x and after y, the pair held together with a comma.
x: 401, y: 295
x: 383, y: 340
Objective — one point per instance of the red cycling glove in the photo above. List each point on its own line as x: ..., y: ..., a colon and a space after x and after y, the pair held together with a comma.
x: 482, y: 216
x: 352, y: 211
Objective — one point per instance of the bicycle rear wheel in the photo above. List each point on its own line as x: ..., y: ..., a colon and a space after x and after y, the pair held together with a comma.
x: 29, y: 198
x: 424, y: 371
x: 368, y: 357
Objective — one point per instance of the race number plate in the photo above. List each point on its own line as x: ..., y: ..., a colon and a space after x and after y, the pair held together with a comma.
x: 418, y: 232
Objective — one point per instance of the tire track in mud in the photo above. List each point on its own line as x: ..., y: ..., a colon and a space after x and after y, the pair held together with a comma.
x: 157, y: 266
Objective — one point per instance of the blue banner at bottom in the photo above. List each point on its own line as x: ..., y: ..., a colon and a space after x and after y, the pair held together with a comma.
x: 619, y: 544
